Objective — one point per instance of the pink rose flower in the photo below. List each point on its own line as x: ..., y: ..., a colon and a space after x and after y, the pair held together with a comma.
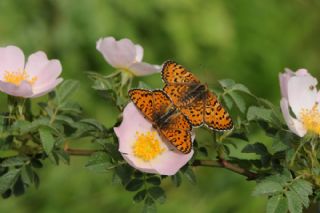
x: 143, y: 148
x: 299, y: 93
x: 125, y: 55
x: 35, y: 78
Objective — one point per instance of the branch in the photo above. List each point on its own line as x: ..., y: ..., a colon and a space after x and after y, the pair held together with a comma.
x: 222, y: 163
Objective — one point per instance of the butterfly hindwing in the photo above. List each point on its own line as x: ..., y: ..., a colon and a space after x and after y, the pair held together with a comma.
x: 181, y: 139
x: 215, y: 116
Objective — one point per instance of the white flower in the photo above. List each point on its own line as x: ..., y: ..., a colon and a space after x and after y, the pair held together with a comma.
x: 33, y: 79
x: 143, y: 148
x: 299, y: 93
x: 125, y: 55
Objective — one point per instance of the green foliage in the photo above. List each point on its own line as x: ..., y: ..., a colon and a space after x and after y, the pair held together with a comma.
x: 285, y: 192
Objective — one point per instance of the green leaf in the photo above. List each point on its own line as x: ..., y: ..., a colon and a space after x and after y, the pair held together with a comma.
x: 176, y: 179
x: 8, y: 153
x: 139, y: 196
x: 259, y: 113
x: 154, y: 180
x: 239, y: 101
x: 267, y: 188
x: 294, y: 202
x: 227, y: 83
x: 134, y: 185
x: 124, y: 172
x: 15, y: 161
x: 258, y: 148
x: 47, y: 139
x: 18, y: 187
x: 303, y: 189
x: 157, y: 194
x: 277, y: 204
x: 8, y: 179
x: 99, y: 162
x: 241, y: 88
x: 66, y: 89
x: 149, y: 206
x: 228, y: 101
x: 93, y: 122
x: 189, y: 174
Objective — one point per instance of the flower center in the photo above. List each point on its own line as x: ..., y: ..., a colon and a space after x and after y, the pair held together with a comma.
x: 311, y: 119
x: 18, y: 76
x: 147, y: 146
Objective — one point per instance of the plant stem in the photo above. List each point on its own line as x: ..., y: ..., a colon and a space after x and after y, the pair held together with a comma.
x: 80, y: 152
x: 222, y: 163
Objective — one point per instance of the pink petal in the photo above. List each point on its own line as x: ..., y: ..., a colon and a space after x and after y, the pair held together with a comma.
x: 138, y: 164
x: 283, y: 79
x: 22, y: 90
x: 302, y: 93
x: 119, y: 54
x: 141, y: 68
x: 48, y: 73
x: 294, y: 125
x: 169, y: 163
x: 139, y: 53
x: 302, y: 72
x: 46, y: 87
x: 36, y: 63
x: 11, y: 59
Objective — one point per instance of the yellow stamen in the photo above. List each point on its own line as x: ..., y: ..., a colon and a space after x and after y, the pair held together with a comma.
x: 147, y: 146
x: 18, y: 76
x: 311, y: 119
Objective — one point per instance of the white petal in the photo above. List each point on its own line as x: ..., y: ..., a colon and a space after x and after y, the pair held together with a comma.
x: 139, y: 53
x: 11, y: 59
x: 294, y: 125
x: 302, y: 93
x: 141, y: 68
x: 22, y: 90
x: 119, y: 54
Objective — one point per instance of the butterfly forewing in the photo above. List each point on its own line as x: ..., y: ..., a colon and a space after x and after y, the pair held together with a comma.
x: 143, y: 99
x: 173, y: 73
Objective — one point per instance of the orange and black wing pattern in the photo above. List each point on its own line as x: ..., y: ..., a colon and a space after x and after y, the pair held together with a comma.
x: 194, y: 99
x: 171, y: 124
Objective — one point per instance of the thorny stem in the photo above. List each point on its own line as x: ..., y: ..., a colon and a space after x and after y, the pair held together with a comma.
x: 80, y: 152
x: 222, y: 163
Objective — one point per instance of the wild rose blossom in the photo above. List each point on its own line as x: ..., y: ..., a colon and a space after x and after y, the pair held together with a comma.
x: 143, y: 148
x: 35, y: 78
x: 125, y: 55
x: 299, y: 93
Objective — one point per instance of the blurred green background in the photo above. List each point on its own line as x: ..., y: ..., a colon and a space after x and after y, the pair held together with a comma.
x: 248, y: 41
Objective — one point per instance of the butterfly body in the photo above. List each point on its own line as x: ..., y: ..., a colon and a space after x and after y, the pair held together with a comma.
x: 171, y: 124
x: 193, y: 98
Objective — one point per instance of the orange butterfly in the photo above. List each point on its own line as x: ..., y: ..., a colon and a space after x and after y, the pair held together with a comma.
x: 170, y: 123
x: 194, y: 99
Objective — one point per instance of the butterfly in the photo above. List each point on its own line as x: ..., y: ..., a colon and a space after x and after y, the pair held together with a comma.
x: 171, y: 124
x: 193, y: 98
